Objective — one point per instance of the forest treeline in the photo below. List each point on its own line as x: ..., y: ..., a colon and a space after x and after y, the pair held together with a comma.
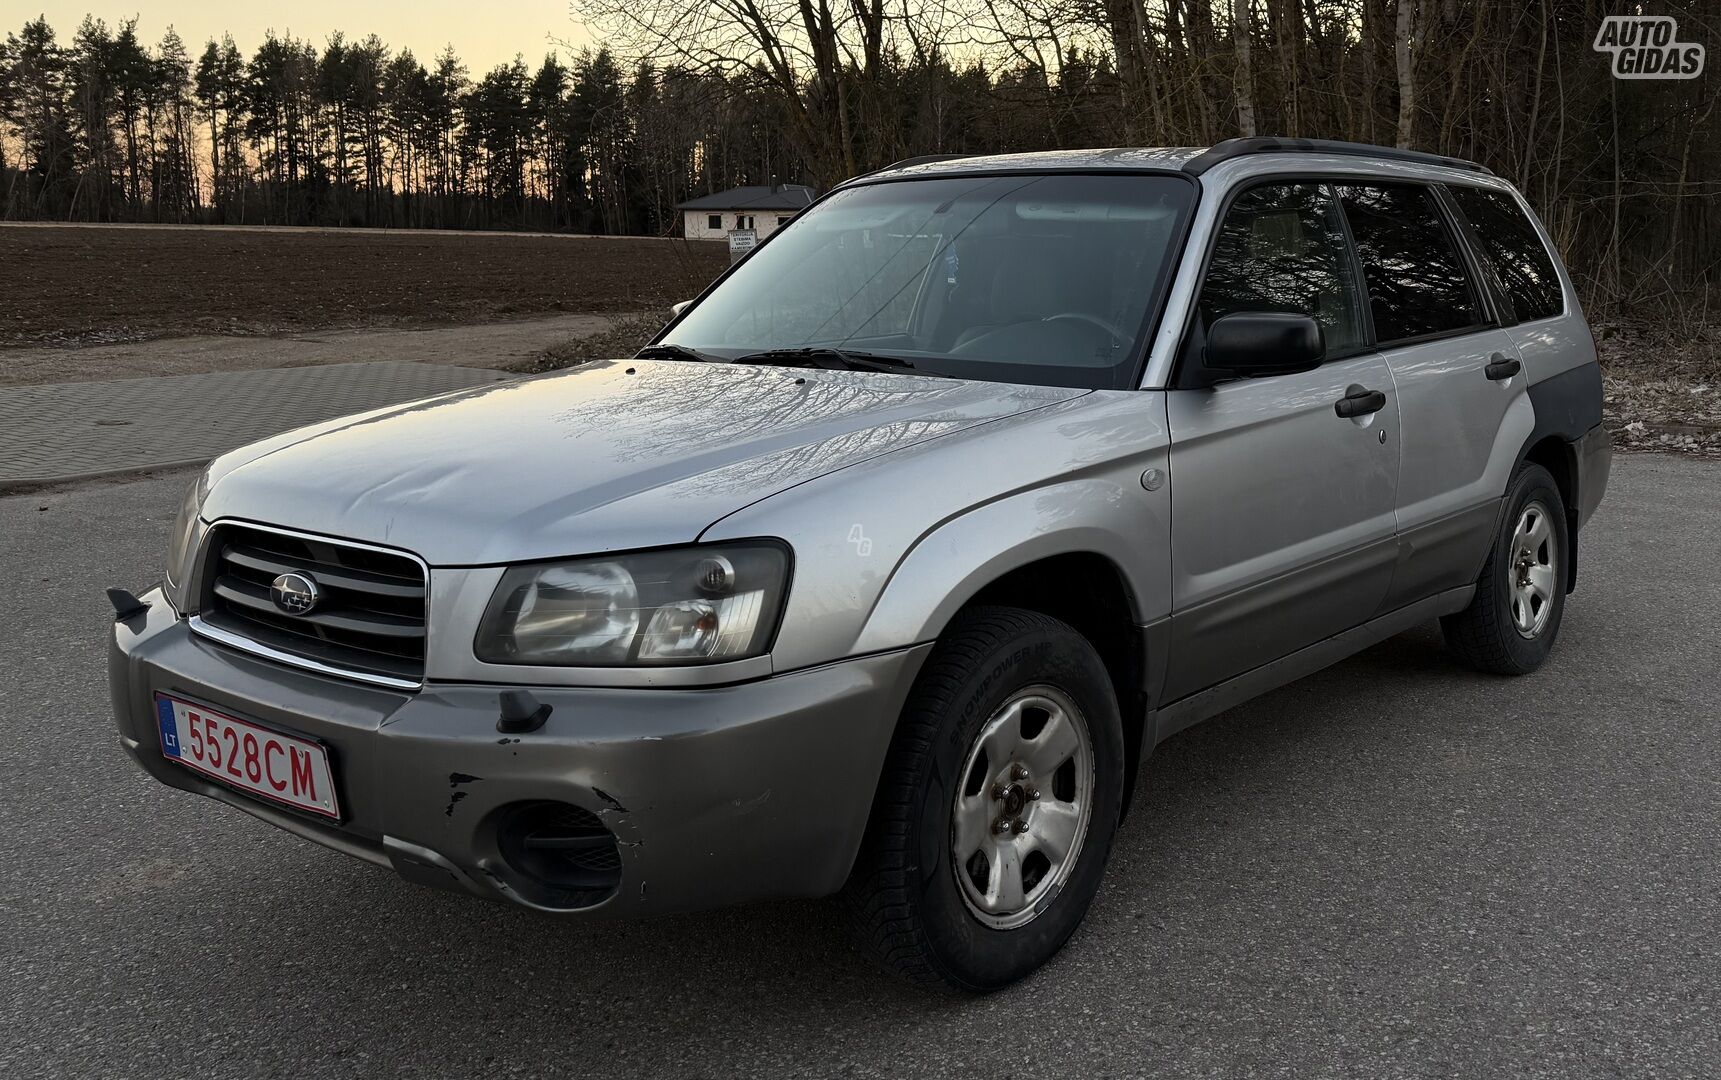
x: 686, y: 98
x: 106, y: 127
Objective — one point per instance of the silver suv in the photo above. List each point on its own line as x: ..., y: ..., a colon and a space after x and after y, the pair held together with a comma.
x: 884, y: 568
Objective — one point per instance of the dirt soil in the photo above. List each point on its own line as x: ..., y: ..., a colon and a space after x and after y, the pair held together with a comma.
x: 73, y: 287
x: 624, y: 336
x: 521, y: 346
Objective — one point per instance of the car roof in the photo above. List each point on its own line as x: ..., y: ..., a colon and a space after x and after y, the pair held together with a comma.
x: 1258, y: 154
x: 1125, y: 159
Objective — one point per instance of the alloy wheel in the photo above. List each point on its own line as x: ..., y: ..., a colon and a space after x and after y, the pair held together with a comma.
x: 1532, y: 571
x: 1021, y: 813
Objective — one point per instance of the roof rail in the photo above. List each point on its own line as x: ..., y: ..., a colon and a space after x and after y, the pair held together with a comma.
x: 1236, y: 148
x: 923, y: 159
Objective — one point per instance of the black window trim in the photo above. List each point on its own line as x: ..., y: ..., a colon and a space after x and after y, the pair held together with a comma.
x: 1357, y: 272
x: 1481, y: 268
x: 1508, y: 307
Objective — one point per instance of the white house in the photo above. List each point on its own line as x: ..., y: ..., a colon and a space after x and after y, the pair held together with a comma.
x: 758, y: 207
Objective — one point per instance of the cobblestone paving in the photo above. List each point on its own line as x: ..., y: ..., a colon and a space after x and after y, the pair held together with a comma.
x: 66, y: 430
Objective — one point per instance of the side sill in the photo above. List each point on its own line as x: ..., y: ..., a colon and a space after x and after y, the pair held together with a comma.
x: 1191, y: 710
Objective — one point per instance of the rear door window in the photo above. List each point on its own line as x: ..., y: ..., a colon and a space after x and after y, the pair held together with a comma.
x: 1417, y: 282
x: 1282, y: 248
x: 1511, y: 243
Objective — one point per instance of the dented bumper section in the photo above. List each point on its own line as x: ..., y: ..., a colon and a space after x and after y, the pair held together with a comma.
x: 712, y: 796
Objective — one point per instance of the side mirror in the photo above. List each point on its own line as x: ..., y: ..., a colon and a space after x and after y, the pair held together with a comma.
x: 1257, y: 343
x: 675, y: 310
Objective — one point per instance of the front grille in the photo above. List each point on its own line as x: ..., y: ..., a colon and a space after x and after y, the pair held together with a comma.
x: 369, y: 620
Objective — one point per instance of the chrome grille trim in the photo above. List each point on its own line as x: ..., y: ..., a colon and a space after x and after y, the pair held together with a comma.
x: 245, y: 644
x: 223, y: 611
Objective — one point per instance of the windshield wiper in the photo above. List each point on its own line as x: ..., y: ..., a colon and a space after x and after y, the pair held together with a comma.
x: 673, y: 352
x: 829, y: 357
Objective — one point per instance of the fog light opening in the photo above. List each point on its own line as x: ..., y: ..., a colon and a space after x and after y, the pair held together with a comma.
x: 562, y: 851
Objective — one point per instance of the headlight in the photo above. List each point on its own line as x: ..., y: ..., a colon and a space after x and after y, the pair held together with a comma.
x: 698, y: 605
x: 182, y: 542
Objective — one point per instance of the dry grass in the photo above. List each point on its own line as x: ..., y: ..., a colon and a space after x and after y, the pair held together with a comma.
x: 1662, y: 388
x: 625, y: 338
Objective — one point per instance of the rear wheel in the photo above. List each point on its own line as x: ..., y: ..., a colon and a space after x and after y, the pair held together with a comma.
x: 1510, y: 625
x: 997, y: 807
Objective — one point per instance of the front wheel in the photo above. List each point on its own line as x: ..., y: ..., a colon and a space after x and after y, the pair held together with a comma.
x: 1510, y: 625
x: 997, y: 807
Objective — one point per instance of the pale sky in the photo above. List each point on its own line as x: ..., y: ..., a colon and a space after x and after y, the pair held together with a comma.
x: 484, y: 34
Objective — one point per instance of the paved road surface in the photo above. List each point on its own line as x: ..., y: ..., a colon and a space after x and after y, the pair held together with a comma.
x: 66, y: 430
x: 1394, y: 868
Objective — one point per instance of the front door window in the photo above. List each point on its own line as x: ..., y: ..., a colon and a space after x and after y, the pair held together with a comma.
x: 1282, y: 248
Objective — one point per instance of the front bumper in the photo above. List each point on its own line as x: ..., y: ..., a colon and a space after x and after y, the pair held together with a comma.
x: 715, y: 796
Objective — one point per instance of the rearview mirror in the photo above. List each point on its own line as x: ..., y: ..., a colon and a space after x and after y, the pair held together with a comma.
x: 1257, y: 343
x: 675, y: 310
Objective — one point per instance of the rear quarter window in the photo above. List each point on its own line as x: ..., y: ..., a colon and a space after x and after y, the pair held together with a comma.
x: 1511, y: 244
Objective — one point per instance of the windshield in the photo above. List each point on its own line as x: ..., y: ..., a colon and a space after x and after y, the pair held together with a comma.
x: 1049, y: 279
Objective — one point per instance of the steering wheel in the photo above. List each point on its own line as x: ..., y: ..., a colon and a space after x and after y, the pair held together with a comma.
x: 1093, y: 320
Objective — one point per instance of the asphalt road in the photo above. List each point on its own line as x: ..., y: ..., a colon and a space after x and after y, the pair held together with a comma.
x: 1393, y: 868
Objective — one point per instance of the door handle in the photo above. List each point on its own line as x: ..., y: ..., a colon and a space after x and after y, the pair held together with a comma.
x: 1500, y: 368
x: 1359, y: 401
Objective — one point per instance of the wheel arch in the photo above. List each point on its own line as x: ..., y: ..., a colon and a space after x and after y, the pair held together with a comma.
x: 942, y: 571
x: 1567, y: 406
x: 1560, y: 458
x: 1107, y: 578
x: 1090, y: 593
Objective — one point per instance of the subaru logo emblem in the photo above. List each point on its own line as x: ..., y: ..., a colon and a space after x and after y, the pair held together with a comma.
x: 296, y: 594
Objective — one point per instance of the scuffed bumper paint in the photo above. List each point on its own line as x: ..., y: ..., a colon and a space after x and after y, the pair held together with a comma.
x: 716, y: 796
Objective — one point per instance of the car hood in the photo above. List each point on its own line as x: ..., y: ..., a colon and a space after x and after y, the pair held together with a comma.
x: 612, y: 456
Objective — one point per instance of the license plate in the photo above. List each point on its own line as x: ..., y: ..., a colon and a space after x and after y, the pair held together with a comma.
x: 254, y: 759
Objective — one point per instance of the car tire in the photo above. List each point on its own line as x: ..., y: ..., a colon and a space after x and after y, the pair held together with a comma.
x: 1002, y: 690
x: 1511, y: 624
